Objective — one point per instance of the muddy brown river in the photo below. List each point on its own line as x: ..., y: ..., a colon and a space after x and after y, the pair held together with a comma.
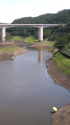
x: 27, y: 92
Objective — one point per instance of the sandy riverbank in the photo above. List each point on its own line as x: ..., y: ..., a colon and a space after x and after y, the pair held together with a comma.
x: 58, y: 75
x: 42, y: 46
x: 62, y: 116
x: 18, y: 52
x: 14, y: 53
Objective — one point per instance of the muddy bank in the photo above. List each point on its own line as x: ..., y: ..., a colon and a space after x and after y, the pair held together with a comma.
x: 37, y: 45
x: 62, y: 116
x: 6, y: 43
x: 34, y: 45
x: 18, y: 52
x: 15, y: 53
x: 58, y: 75
x: 22, y: 43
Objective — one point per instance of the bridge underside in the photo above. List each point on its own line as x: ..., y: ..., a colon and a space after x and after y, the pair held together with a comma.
x: 39, y: 26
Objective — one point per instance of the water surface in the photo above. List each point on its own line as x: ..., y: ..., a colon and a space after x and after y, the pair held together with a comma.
x: 27, y: 92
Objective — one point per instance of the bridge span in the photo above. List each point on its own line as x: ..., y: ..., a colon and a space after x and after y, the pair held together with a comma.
x: 39, y: 26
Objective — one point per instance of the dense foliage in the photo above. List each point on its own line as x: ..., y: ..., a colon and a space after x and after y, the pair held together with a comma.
x: 62, y: 36
x: 60, y: 17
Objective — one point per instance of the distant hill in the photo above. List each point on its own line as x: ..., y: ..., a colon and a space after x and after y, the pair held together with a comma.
x: 62, y: 16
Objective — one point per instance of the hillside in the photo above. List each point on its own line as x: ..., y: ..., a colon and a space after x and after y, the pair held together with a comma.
x: 60, y: 17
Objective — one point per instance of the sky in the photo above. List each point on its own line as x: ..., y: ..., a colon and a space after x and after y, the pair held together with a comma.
x: 14, y: 9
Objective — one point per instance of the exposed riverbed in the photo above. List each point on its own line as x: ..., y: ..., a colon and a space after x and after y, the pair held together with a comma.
x: 27, y: 92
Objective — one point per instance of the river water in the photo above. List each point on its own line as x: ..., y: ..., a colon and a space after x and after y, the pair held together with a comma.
x: 27, y: 92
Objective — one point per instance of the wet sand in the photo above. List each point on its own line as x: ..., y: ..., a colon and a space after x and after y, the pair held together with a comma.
x: 14, y: 53
x: 58, y: 75
x: 62, y: 116
x: 19, y: 52
x: 37, y: 45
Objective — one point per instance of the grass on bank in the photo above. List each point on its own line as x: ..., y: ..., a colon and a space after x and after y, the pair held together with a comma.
x: 51, y: 43
x: 62, y: 62
x: 18, y: 38
x: 48, y: 43
x: 8, y: 49
x: 30, y: 39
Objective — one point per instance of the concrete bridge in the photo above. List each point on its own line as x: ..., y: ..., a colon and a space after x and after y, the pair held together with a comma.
x: 39, y: 26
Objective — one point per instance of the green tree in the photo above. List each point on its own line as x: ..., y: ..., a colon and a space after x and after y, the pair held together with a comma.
x: 8, y: 37
x: 61, y: 42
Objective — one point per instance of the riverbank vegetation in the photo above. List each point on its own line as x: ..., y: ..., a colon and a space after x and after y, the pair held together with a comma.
x: 17, y: 37
x: 8, y: 49
x: 62, y: 62
x: 7, y: 52
x: 62, y: 37
x: 9, y: 37
x: 31, y: 39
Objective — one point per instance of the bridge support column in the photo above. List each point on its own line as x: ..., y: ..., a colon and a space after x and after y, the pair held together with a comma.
x: 3, y: 34
x: 40, y: 33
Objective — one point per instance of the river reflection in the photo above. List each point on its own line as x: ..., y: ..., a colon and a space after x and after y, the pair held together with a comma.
x: 40, y: 58
x: 27, y: 92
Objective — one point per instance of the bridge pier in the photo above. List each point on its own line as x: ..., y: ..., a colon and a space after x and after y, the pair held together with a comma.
x: 3, y: 34
x: 40, y: 33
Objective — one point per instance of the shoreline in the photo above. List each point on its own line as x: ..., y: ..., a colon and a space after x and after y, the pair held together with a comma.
x: 19, y: 52
x: 62, y: 116
x: 59, y: 76
x: 14, y: 53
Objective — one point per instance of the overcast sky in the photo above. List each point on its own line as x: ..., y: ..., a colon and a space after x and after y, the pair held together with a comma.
x: 13, y: 9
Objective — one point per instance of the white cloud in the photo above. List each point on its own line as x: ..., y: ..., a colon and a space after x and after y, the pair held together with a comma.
x: 2, y: 3
x: 10, y: 11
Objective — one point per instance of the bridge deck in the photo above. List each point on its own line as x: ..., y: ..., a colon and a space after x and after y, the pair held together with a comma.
x: 34, y: 25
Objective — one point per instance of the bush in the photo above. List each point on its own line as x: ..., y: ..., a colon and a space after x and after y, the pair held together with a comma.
x: 8, y: 37
x: 61, y: 42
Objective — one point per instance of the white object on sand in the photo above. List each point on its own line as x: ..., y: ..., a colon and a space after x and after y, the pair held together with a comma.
x: 13, y: 57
